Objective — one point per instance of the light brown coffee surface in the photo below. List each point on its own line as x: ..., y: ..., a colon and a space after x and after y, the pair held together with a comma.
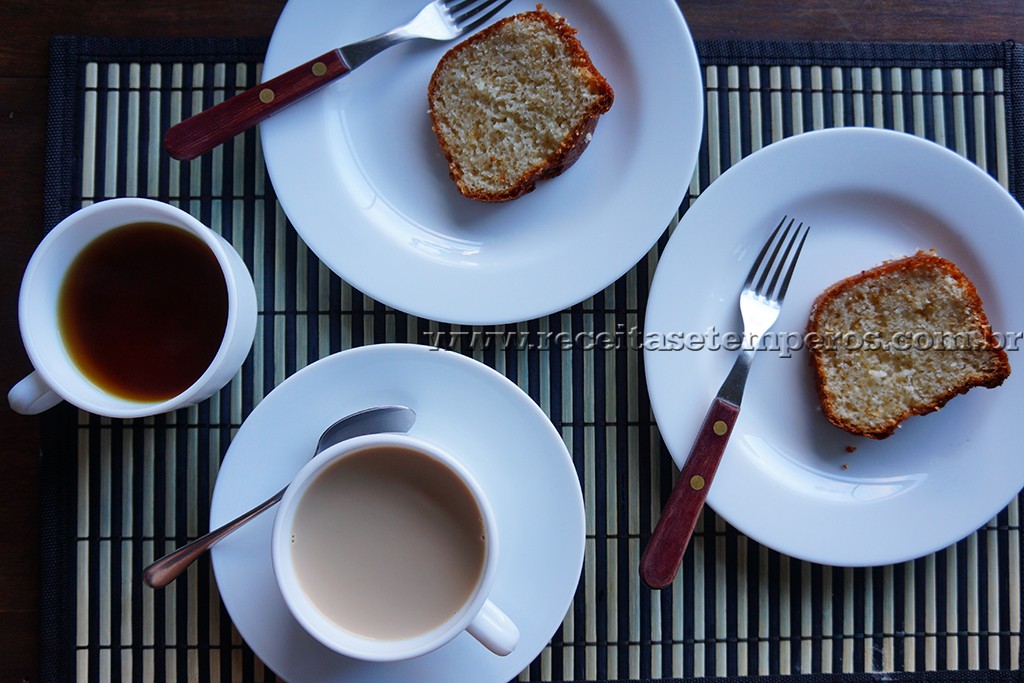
x: 388, y: 543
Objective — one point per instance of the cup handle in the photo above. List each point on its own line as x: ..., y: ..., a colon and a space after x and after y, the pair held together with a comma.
x: 32, y: 395
x: 494, y: 629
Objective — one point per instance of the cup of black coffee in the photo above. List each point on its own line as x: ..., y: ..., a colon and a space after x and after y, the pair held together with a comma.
x: 131, y: 307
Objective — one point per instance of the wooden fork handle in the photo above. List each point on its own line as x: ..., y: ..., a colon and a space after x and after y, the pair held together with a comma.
x: 223, y: 121
x: 664, y: 552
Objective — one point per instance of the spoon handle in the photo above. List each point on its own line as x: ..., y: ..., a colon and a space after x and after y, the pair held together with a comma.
x: 170, y: 566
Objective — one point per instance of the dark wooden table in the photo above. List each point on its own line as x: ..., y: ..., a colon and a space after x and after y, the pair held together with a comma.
x: 23, y: 70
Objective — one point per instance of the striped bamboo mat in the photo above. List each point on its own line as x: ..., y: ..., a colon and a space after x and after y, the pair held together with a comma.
x: 117, y: 494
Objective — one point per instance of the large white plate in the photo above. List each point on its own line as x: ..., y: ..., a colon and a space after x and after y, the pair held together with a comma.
x: 361, y: 176
x: 499, y: 434
x: 787, y: 479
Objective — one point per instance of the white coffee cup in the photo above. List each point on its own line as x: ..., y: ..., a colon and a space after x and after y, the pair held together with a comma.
x: 333, y: 584
x: 56, y: 377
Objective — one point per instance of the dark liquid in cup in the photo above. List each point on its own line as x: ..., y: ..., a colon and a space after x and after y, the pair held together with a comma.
x: 143, y: 310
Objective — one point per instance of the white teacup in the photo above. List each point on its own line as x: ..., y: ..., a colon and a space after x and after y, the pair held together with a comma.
x: 385, y: 548
x: 57, y: 376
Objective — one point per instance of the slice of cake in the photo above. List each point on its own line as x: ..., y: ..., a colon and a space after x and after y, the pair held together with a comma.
x: 899, y: 340
x: 514, y: 104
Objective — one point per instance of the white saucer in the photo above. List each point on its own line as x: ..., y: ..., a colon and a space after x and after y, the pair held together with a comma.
x: 502, y: 437
x: 787, y: 478
x: 362, y: 178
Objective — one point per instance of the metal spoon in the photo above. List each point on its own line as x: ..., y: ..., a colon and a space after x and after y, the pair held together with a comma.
x: 379, y: 420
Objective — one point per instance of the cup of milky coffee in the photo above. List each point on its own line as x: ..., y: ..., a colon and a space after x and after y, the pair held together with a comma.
x: 385, y: 548
x: 131, y: 307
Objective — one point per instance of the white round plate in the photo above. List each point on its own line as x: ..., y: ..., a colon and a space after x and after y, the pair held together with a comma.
x: 499, y: 434
x: 362, y: 178
x: 788, y: 479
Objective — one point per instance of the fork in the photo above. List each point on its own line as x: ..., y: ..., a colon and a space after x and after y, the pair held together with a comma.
x: 440, y: 20
x: 760, y: 305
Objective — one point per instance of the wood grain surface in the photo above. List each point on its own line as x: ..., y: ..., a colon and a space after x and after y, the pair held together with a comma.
x: 29, y: 24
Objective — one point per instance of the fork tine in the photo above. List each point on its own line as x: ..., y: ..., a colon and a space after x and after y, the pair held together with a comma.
x: 470, y: 13
x: 792, y: 264
x: 771, y: 267
x: 454, y: 6
x: 749, y: 284
x: 775, y: 266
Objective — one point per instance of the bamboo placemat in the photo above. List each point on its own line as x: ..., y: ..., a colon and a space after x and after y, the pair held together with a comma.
x: 119, y: 493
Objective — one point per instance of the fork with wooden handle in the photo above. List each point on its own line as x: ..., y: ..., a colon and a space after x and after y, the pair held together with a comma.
x: 440, y: 20
x: 760, y: 305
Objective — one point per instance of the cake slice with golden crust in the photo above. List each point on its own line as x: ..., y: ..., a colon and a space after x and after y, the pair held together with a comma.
x: 515, y: 104
x: 898, y: 340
